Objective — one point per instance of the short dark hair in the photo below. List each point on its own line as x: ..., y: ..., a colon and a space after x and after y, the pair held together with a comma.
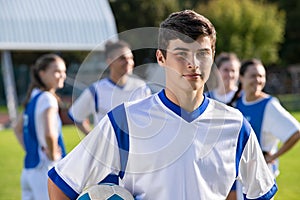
x: 187, y: 26
x: 112, y: 46
x: 246, y: 63
x: 224, y: 57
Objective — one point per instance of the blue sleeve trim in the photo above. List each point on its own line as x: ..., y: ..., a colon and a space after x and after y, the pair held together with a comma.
x: 93, y: 91
x: 72, y: 118
x: 268, y: 195
x: 62, y: 184
x: 233, y: 188
x: 119, y: 122
x: 242, y: 141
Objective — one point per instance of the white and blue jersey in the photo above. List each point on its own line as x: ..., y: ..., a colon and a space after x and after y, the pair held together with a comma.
x: 36, y: 163
x: 33, y: 133
x: 103, y: 95
x: 225, y: 98
x: 157, y: 150
x: 270, y: 121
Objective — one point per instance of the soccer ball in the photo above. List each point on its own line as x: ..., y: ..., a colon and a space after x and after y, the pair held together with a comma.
x: 105, y: 191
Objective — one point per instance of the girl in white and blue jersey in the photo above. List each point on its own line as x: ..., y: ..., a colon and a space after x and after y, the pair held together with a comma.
x: 270, y: 121
x: 39, y: 129
x: 176, y: 144
x: 228, y: 66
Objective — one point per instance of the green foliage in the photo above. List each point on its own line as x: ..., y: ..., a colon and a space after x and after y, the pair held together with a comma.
x: 248, y: 28
x: 291, y: 47
x: 136, y: 13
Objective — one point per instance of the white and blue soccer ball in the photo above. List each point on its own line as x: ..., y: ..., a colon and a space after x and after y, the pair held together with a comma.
x: 105, y: 191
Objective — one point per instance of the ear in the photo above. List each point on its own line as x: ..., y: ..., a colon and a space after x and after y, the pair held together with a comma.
x: 41, y: 73
x: 160, y: 58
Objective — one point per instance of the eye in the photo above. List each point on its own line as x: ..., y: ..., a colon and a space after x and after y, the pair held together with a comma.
x: 182, y: 54
x: 203, y: 54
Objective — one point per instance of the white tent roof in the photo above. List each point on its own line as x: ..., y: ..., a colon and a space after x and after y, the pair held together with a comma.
x: 55, y: 24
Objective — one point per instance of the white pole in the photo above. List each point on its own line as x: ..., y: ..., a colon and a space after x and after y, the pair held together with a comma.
x: 9, y: 86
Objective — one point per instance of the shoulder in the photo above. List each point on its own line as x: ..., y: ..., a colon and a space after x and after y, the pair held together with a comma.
x: 274, y: 104
x: 136, y: 80
x: 223, y: 107
x: 46, y: 100
x: 48, y: 96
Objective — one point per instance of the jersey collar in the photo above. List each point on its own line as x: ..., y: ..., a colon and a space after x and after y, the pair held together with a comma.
x: 188, y: 116
x: 114, y: 84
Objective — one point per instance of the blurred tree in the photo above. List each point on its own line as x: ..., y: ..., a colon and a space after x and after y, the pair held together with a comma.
x: 131, y: 14
x: 290, y: 49
x: 248, y: 28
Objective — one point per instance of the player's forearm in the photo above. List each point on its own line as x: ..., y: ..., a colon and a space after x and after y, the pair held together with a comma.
x: 286, y: 146
x: 84, y: 127
x: 53, y: 151
x: 18, y: 130
x: 54, y: 192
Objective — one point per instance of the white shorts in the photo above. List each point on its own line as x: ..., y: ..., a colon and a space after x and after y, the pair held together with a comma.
x: 34, y: 183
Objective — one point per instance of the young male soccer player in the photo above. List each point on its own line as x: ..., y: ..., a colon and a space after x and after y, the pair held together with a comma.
x: 103, y: 95
x: 176, y: 144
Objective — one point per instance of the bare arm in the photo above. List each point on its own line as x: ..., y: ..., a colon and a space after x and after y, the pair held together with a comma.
x: 84, y: 126
x: 53, y: 150
x: 18, y: 130
x: 54, y: 192
x: 285, y: 147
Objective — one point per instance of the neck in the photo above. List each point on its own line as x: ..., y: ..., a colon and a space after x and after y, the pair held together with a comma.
x: 187, y: 100
x: 225, y: 90
x: 254, y: 96
x: 119, y: 80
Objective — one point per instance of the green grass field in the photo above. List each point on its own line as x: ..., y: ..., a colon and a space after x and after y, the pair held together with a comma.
x: 11, y: 164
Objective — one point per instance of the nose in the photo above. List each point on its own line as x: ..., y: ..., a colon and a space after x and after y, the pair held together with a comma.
x: 193, y: 62
x: 63, y: 75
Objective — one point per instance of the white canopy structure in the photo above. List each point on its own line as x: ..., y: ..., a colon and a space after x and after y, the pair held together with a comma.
x: 55, y: 24
x: 39, y: 25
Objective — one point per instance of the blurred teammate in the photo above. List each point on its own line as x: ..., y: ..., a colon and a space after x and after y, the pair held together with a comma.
x: 107, y: 93
x: 39, y: 129
x: 228, y: 66
x: 175, y: 144
x: 270, y: 121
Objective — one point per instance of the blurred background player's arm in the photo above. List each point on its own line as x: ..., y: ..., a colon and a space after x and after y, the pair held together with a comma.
x: 84, y: 126
x: 81, y: 109
x: 18, y: 130
x: 285, y: 147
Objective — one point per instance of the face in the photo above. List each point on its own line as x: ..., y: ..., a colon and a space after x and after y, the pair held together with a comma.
x: 54, y: 76
x: 229, y: 72
x: 254, y: 79
x: 121, y: 61
x: 187, y: 65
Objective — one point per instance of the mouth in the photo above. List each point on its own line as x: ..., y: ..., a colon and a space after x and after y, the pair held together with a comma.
x: 192, y: 76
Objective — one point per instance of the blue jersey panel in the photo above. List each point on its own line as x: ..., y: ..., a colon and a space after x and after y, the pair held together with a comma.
x: 32, y: 158
x: 119, y: 122
x: 242, y: 141
x: 254, y: 114
x: 95, y: 95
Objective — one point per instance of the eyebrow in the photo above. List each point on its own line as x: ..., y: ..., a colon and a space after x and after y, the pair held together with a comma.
x: 186, y: 49
x: 181, y: 48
